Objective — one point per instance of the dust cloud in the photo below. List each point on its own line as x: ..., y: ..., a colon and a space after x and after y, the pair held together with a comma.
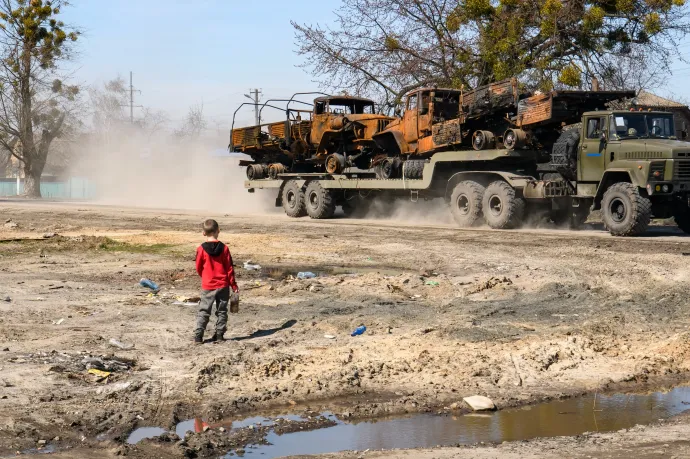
x: 165, y: 172
x: 421, y: 212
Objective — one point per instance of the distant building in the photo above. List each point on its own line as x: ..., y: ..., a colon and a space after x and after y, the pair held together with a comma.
x: 681, y: 112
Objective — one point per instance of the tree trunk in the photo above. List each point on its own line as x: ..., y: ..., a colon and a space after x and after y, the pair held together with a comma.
x: 32, y: 181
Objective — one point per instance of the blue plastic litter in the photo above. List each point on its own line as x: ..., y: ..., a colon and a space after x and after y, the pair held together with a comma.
x: 359, y: 330
x: 148, y: 283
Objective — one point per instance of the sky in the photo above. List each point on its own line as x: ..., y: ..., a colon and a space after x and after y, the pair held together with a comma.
x: 186, y: 52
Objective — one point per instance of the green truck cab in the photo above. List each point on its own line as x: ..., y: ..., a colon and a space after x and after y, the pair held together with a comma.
x: 634, y: 168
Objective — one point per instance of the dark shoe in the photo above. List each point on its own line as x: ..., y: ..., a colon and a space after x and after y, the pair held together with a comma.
x: 217, y: 338
x: 198, y: 338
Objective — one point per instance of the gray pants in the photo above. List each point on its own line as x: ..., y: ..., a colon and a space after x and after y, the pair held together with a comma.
x: 220, y: 297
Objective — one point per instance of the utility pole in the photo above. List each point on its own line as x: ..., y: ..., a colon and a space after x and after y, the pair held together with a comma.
x: 131, y: 98
x: 255, y: 99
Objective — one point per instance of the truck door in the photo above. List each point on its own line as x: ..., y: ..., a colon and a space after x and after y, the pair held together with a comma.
x: 592, y: 160
x: 410, y: 119
x: 319, y: 122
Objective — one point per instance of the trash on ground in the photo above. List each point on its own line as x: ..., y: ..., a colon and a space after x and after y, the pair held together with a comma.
x: 8, y: 299
x: 185, y: 303
x: 58, y: 322
x: 479, y: 403
x: 100, y: 374
x: 116, y: 343
x: 432, y: 283
x: 108, y: 364
x: 306, y: 275
x: 49, y: 235
x: 188, y: 299
x: 359, y: 330
x: 248, y: 265
x: 329, y: 336
x: 148, y: 283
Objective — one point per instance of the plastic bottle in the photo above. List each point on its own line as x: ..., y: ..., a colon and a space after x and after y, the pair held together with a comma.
x: 148, y: 283
x: 306, y: 275
x: 359, y: 330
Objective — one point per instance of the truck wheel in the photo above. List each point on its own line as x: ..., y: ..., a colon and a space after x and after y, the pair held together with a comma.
x: 293, y: 200
x: 466, y: 203
x: 320, y: 202
x: 682, y: 218
x: 501, y: 207
x: 625, y: 211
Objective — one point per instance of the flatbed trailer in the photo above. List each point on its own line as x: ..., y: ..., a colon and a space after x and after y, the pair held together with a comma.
x: 628, y: 164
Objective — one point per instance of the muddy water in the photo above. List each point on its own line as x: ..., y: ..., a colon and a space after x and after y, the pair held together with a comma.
x: 556, y: 418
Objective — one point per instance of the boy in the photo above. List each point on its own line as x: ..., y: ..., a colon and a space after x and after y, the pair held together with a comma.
x: 214, y: 265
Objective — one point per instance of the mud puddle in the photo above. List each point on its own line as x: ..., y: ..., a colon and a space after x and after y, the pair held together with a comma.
x: 591, y: 413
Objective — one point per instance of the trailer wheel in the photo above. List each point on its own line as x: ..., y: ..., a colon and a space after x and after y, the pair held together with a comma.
x: 320, y: 201
x: 293, y: 200
x: 501, y: 207
x: 682, y: 218
x: 625, y: 211
x: 466, y: 203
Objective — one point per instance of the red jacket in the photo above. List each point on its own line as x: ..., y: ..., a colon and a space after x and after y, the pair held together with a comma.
x: 214, y: 265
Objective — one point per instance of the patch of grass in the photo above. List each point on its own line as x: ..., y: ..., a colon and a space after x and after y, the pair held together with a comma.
x: 112, y: 245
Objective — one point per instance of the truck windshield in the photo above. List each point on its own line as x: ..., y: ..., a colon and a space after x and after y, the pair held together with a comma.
x: 350, y: 108
x: 647, y: 125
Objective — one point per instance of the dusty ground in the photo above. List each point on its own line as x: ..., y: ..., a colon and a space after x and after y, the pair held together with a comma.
x: 518, y: 316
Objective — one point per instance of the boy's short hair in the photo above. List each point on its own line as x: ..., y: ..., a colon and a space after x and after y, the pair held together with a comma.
x: 210, y: 227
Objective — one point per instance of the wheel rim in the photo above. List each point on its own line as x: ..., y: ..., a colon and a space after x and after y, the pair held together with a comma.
x: 495, y: 205
x: 617, y: 210
x: 313, y: 200
x: 462, y: 204
x: 291, y: 198
x: 478, y: 140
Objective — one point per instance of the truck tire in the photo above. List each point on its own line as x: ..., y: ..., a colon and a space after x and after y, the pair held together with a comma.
x: 466, y: 203
x: 293, y: 200
x: 319, y: 201
x: 501, y: 207
x: 625, y: 211
x: 682, y: 218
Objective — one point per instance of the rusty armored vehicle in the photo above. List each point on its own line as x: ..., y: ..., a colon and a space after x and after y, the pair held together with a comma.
x: 335, y: 133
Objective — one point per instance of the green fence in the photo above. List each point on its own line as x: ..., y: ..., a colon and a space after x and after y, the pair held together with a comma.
x: 73, y: 188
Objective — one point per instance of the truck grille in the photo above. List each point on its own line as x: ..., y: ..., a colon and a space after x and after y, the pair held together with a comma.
x: 656, y: 166
x: 681, y: 170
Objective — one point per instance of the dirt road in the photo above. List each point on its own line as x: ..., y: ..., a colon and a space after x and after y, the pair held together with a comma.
x: 518, y: 316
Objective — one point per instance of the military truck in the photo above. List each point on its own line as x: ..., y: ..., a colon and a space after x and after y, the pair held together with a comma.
x: 628, y: 164
x: 336, y: 133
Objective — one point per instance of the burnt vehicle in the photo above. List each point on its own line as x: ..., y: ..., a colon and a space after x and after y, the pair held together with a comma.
x: 497, y: 115
x: 336, y: 133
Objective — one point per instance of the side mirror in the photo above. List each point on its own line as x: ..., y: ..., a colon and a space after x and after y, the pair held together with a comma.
x: 603, y: 137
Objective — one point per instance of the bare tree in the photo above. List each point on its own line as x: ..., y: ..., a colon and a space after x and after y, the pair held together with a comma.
x: 34, y: 101
x: 383, y: 48
x: 194, y: 124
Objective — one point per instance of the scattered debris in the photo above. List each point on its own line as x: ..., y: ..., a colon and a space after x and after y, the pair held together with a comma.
x: 188, y: 299
x: 8, y: 299
x: 359, y: 330
x: 100, y: 374
x: 479, y: 403
x: 306, y: 275
x: 49, y: 235
x: 432, y: 283
x: 10, y: 224
x: 118, y: 344
x: 329, y: 336
x: 249, y: 266
x: 489, y: 284
x: 58, y: 322
x: 148, y: 283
